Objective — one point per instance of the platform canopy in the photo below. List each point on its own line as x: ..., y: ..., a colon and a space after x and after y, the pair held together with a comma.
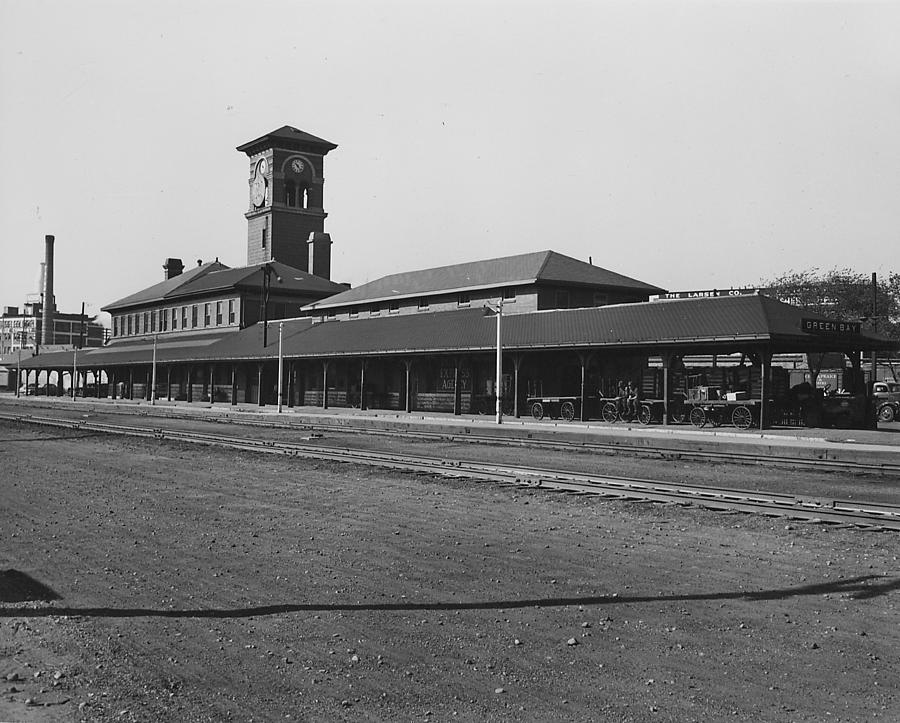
x: 686, y: 326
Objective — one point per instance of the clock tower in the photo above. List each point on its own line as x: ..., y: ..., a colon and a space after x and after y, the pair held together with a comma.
x: 286, y: 218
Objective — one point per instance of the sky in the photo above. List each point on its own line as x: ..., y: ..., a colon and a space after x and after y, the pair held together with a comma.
x: 692, y: 145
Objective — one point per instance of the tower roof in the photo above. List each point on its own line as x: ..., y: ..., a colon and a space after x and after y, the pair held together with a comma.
x: 290, y: 137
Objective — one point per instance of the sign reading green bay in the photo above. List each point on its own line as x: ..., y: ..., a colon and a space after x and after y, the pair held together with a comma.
x: 830, y: 327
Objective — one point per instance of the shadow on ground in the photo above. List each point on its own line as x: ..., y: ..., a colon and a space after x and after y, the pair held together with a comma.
x: 18, y: 587
x: 858, y: 588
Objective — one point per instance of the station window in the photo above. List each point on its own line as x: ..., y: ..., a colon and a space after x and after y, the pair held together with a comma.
x: 394, y: 307
x: 163, y: 319
x: 206, y: 317
x: 146, y: 327
x: 423, y: 304
x: 115, y: 326
x: 218, y: 313
x: 129, y: 324
x: 174, y: 319
x: 153, y: 320
x: 509, y: 293
x: 463, y: 300
x: 264, y: 232
x: 231, y: 311
x: 184, y: 317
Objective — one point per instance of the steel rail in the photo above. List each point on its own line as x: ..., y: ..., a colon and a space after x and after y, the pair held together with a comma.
x: 772, y: 504
x: 732, y: 457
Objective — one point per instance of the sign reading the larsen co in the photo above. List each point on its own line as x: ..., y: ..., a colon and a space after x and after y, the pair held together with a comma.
x: 830, y: 326
x: 708, y: 294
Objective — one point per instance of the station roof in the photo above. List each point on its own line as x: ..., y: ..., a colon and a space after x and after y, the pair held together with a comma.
x: 133, y: 350
x: 547, y: 267
x: 215, y: 277
x: 690, y: 326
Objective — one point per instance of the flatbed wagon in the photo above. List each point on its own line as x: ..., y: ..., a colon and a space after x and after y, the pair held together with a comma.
x: 742, y: 413
x: 554, y: 407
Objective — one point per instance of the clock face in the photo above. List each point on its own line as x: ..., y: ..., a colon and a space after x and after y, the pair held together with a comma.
x: 297, y: 165
x: 258, y: 185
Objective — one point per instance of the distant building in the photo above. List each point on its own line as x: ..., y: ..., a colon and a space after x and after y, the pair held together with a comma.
x: 24, y: 330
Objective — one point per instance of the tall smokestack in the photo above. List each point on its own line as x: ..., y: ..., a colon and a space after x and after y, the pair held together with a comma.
x: 49, y: 305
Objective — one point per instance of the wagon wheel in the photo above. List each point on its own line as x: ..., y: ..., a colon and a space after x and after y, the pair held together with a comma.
x: 567, y: 411
x: 537, y: 410
x: 610, y: 413
x: 697, y: 416
x: 645, y: 414
x: 886, y: 413
x: 742, y: 417
x: 714, y: 417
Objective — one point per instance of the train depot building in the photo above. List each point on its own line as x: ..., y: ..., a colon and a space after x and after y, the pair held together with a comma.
x: 427, y: 341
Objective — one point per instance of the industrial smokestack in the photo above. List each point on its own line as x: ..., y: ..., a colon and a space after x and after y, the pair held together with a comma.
x: 49, y: 304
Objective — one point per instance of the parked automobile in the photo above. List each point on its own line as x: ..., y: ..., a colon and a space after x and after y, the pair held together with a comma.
x: 887, y: 400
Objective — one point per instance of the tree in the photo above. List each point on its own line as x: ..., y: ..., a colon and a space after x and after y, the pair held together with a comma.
x: 842, y: 294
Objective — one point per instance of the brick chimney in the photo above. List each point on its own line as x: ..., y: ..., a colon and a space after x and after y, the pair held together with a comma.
x: 49, y: 304
x: 173, y: 268
x: 320, y: 254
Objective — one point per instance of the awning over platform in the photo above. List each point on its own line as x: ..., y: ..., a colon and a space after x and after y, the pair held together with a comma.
x: 687, y: 326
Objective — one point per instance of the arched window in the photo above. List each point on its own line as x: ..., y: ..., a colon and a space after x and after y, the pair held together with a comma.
x: 290, y: 193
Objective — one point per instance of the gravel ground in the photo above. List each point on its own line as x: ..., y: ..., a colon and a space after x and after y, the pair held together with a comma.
x: 145, y: 580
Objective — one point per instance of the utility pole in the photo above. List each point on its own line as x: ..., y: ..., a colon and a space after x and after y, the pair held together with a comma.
x: 81, y: 331
x: 19, y: 370
x: 280, y: 361
x: 874, y: 325
x: 153, y: 374
x: 74, y: 372
x: 267, y: 271
x: 497, y: 308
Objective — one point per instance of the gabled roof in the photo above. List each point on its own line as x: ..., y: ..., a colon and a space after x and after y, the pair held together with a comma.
x: 160, y: 291
x: 547, y: 267
x: 288, y: 133
x: 216, y: 277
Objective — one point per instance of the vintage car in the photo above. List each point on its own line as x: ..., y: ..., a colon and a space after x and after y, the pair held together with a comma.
x: 887, y: 400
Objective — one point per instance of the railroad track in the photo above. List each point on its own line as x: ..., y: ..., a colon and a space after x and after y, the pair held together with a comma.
x: 657, y: 451
x: 845, y: 512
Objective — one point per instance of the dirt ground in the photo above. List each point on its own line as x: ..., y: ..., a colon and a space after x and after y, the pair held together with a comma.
x: 145, y: 580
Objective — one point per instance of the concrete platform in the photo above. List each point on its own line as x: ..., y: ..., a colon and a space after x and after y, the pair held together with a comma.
x: 877, y: 447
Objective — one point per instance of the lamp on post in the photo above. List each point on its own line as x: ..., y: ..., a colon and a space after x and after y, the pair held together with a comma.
x: 153, y: 375
x: 267, y: 272
x: 21, y: 336
x: 74, y: 372
x: 280, y: 361
x: 497, y: 308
